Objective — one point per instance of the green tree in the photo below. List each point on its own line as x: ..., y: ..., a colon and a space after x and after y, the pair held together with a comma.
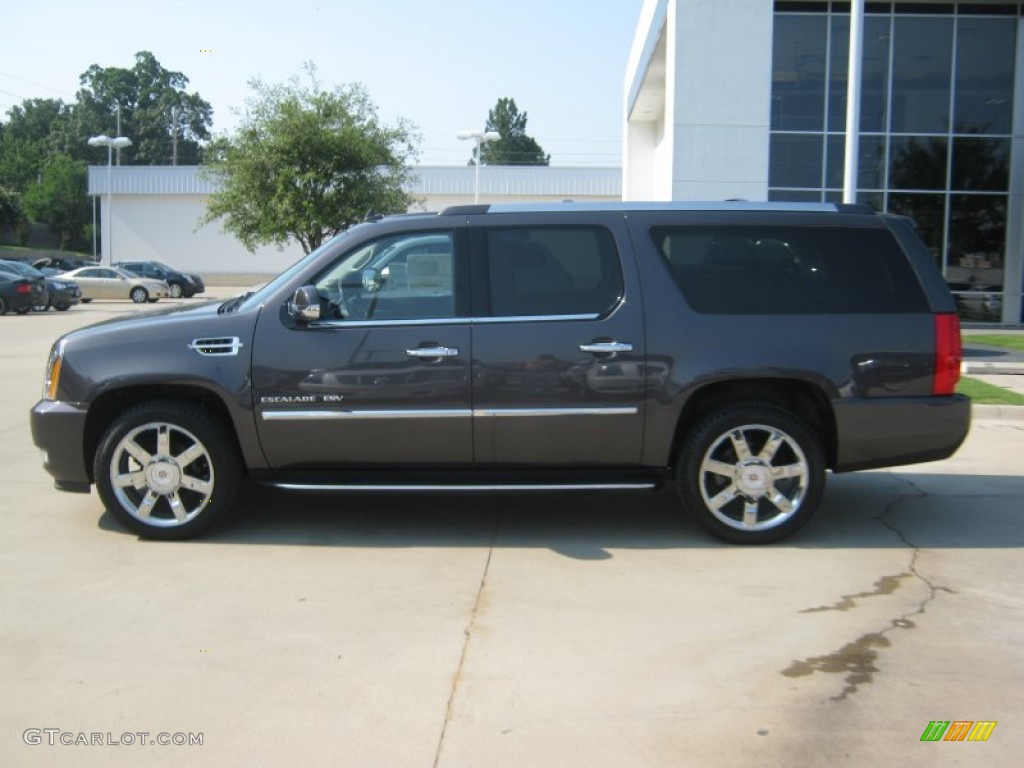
x: 60, y: 198
x: 11, y: 213
x: 514, y: 147
x: 36, y: 130
x: 307, y: 163
x: 165, y: 123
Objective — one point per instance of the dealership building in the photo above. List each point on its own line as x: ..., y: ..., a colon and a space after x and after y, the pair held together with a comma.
x: 747, y: 99
x: 740, y: 99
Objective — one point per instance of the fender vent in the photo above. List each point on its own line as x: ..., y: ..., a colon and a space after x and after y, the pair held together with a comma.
x: 225, y: 345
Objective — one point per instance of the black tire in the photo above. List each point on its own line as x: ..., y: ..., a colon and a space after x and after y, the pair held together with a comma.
x: 727, y: 474
x: 139, y: 295
x: 176, y: 290
x: 86, y: 301
x: 3, y: 306
x: 62, y: 307
x: 178, y: 455
x: 22, y: 310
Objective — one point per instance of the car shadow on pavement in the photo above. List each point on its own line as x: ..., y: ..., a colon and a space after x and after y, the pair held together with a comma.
x: 861, y: 510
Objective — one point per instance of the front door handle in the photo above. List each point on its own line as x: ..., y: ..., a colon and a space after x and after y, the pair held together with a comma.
x: 433, y: 352
x: 606, y: 347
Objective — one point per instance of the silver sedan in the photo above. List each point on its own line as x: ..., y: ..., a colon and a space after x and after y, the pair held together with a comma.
x: 114, y: 283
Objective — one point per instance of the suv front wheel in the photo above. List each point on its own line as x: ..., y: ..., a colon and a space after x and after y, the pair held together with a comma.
x: 167, y: 470
x: 751, y: 473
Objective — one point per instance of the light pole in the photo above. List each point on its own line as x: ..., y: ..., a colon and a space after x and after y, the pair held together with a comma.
x: 118, y: 142
x: 479, y: 137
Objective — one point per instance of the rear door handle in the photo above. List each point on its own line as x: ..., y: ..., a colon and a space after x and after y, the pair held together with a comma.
x: 606, y: 347
x: 433, y: 352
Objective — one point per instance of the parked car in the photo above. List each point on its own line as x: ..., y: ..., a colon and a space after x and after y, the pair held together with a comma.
x: 61, y: 294
x: 738, y: 350
x: 56, y: 265
x: 183, y: 285
x: 114, y: 283
x: 20, y: 293
x: 978, y: 302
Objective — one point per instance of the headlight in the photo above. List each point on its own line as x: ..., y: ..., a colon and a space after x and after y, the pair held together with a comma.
x: 53, y: 366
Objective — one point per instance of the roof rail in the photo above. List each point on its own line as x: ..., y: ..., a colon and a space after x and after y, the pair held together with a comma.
x: 674, y: 205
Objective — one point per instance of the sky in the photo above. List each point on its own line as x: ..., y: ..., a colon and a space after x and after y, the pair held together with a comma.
x: 441, y: 64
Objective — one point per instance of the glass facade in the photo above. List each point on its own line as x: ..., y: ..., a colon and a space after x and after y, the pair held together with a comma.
x: 937, y: 101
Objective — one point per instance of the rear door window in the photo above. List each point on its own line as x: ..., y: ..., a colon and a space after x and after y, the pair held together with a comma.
x: 549, y: 271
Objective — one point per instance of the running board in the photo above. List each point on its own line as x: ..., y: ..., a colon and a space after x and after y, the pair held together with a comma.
x: 362, y: 487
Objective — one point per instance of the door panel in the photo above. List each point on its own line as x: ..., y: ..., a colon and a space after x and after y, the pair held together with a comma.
x: 558, y: 348
x: 354, y: 396
x: 383, y: 379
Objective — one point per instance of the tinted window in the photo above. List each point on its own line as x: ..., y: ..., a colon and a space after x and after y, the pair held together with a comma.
x: 789, y: 270
x: 533, y: 271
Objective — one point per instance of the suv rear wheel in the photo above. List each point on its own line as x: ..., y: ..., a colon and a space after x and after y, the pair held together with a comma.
x: 751, y: 473
x: 167, y: 470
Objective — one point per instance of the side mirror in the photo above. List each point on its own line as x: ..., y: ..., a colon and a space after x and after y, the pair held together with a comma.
x: 305, y: 305
x: 373, y: 280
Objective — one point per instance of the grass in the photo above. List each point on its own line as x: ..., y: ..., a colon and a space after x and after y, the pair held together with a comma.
x: 984, y: 393
x: 1008, y: 340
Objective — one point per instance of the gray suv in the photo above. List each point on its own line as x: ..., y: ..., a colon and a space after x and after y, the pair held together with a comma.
x: 737, y: 350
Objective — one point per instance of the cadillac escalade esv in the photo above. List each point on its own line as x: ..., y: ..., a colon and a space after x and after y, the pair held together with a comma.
x: 739, y: 350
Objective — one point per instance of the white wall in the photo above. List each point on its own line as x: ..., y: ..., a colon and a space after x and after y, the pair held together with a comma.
x: 722, y: 99
x: 164, y: 228
x: 713, y: 139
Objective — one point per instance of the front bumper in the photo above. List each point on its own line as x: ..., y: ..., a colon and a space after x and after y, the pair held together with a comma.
x: 889, y: 431
x: 58, y: 429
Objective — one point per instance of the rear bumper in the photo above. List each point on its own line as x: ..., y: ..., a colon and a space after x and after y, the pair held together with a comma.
x: 885, y: 432
x: 58, y: 429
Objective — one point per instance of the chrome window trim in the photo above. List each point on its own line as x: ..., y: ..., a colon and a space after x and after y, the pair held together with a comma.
x: 452, y: 321
x: 532, y: 318
x: 390, y: 323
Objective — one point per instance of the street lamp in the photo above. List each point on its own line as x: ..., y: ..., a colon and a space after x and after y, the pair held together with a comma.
x: 117, y: 142
x: 479, y: 137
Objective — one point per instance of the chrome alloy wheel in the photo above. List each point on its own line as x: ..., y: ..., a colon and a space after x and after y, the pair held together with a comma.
x: 161, y: 474
x: 754, y: 477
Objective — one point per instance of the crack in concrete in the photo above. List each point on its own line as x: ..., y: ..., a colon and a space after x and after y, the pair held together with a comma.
x: 467, y: 633
x: 857, y: 658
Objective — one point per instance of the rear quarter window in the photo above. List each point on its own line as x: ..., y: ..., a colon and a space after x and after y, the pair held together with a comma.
x: 766, y: 270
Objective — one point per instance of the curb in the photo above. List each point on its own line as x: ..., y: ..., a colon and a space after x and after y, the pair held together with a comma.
x: 997, y: 412
x: 992, y: 368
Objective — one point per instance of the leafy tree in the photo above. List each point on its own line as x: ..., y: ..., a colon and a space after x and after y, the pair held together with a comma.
x: 165, y: 123
x: 11, y: 213
x: 514, y: 147
x: 37, y: 130
x: 307, y: 163
x: 59, y: 198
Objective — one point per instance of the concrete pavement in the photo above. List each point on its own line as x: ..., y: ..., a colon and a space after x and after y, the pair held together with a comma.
x: 551, y: 630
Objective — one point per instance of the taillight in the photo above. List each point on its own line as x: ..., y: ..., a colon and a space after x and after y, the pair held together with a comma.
x: 948, y: 354
x: 24, y: 288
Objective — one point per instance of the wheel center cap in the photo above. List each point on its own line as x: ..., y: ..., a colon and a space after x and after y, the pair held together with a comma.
x: 753, y: 479
x: 163, y: 476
